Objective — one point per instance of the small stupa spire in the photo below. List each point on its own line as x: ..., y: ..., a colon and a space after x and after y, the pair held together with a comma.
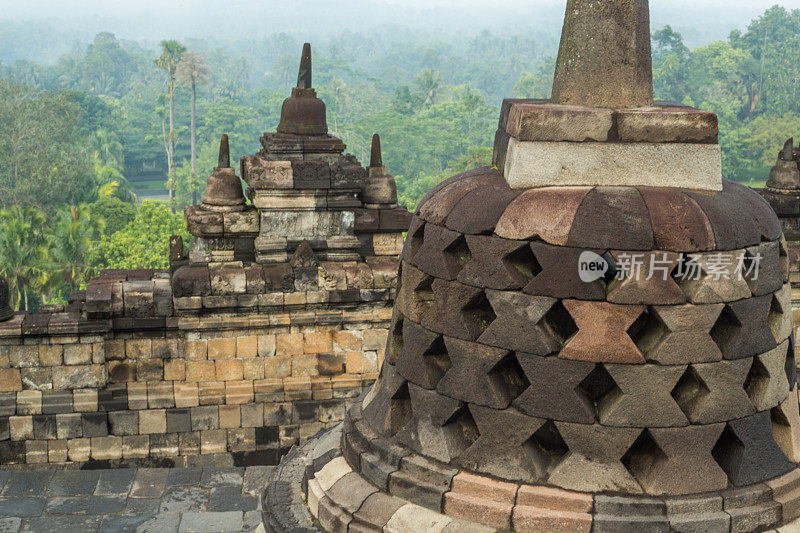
x: 787, y: 153
x: 304, y: 74
x: 604, y: 57
x: 303, y: 113
x: 375, y: 157
x: 224, y: 152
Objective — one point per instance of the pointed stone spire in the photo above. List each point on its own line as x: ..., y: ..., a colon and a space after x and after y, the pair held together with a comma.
x: 304, y: 74
x: 223, y: 188
x: 604, y: 57
x: 303, y: 113
x: 375, y: 158
x: 224, y: 152
x: 380, y: 189
x: 787, y: 153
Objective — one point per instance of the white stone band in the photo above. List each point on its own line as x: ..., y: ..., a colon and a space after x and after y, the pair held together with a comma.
x: 547, y: 164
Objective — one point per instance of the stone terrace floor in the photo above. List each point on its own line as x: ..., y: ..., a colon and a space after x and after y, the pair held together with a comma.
x: 129, y: 499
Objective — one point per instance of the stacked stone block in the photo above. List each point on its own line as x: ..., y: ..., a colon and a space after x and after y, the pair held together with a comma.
x: 520, y: 397
x: 192, y: 391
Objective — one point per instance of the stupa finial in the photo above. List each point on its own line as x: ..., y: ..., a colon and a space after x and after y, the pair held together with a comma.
x: 304, y: 74
x: 604, y: 57
x: 375, y: 157
x: 224, y: 152
x: 787, y: 152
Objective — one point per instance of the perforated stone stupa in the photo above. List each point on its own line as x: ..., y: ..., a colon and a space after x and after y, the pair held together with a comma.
x: 535, y: 379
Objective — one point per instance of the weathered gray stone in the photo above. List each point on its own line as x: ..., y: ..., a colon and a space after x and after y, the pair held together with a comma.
x: 478, y: 374
x: 643, y: 399
x: 743, y: 328
x: 681, y: 165
x: 517, y: 312
x: 594, y: 461
x: 677, y: 335
x: 555, y: 391
x: 604, y: 55
x: 646, y: 279
x: 748, y: 453
x: 767, y: 385
x: 677, y: 460
x: 500, y: 445
x: 780, y: 315
x: 623, y: 514
x: 714, y: 392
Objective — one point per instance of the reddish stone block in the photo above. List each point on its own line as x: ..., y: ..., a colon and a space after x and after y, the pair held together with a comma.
x: 602, y: 333
x: 488, y: 512
x: 484, y: 488
x: 10, y: 380
x: 679, y: 224
x: 534, y: 519
x: 554, y: 499
x: 545, y: 213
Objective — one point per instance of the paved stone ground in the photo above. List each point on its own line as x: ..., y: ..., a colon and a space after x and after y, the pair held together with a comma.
x: 182, y: 500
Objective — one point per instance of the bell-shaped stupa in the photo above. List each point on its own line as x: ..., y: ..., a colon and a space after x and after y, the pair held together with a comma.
x: 594, y: 334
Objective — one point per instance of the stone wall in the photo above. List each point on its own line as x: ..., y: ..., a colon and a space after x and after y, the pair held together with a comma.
x: 122, y: 375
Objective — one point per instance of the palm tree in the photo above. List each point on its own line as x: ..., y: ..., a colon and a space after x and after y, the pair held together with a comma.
x: 24, y: 252
x: 106, y: 147
x: 191, y: 71
x: 71, y: 240
x: 428, y: 83
x: 171, y: 52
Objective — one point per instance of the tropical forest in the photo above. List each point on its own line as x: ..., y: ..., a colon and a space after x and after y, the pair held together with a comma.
x: 102, y: 147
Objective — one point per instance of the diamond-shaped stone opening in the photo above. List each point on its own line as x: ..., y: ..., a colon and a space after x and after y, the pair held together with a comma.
x: 559, y: 323
x: 777, y: 416
x: 437, y: 361
x: 524, y: 262
x: 510, y: 375
x: 726, y: 324
x: 728, y: 450
x: 424, y: 289
x: 648, y: 331
x: 791, y: 365
x: 399, y: 412
x: 689, y: 389
x: 547, y: 447
x: 396, y: 340
x: 643, y: 456
x: 456, y: 255
x: 597, y: 386
x: 638, y: 329
x: 460, y: 431
x: 414, y: 241
x: 479, y: 312
x: 757, y: 379
x: 776, y: 312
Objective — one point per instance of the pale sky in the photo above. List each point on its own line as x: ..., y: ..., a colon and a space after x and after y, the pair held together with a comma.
x: 700, y: 21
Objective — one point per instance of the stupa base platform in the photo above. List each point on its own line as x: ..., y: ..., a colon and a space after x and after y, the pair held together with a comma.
x: 348, y: 479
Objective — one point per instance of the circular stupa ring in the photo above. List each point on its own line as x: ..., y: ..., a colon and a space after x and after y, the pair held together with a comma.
x: 519, y: 393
